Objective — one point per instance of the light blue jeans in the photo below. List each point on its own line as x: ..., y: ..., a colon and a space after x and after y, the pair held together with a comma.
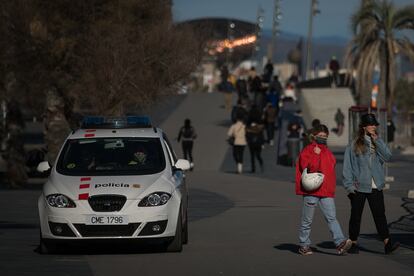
x: 327, y: 206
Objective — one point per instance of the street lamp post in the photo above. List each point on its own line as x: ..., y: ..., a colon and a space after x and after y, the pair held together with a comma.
x: 258, y: 31
x: 230, y: 37
x: 277, y: 16
x: 313, y: 11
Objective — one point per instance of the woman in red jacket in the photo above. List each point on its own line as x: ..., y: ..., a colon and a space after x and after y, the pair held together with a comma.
x: 316, y: 157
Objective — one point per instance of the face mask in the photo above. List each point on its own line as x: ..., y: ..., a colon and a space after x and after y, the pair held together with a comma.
x: 321, y: 140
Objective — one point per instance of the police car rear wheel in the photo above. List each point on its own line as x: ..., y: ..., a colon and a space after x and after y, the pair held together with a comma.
x: 176, y: 245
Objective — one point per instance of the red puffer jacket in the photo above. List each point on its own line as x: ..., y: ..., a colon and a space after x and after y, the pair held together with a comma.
x: 324, y: 162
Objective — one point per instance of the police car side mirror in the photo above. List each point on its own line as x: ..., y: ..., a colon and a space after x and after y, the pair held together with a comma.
x: 182, y: 164
x: 43, y: 167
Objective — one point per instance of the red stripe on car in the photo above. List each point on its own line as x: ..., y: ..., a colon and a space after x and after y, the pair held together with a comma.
x: 84, y: 186
x: 89, y: 135
x: 85, y: 179
x: 83, y: 196
x: 90, y: 130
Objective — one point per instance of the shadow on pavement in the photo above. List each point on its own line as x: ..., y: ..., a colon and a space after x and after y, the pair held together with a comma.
x: 377, y: 245
x: 16, y: 225
x: 287, y: 247
x: 405, y: 239
x: 405, y: 223
x: 205, y: 204
x: 331, y: 245
x: 294, y: 248
x: 224, y: 123
x: 108, y: 248
x: 326, y: 245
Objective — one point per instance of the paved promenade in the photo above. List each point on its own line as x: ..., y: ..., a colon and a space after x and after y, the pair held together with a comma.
x: 239, y: 224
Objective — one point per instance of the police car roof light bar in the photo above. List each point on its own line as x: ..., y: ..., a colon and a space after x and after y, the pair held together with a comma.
x: 102, y: 122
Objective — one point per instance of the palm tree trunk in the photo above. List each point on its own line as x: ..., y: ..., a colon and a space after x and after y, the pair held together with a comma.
x: 391, y: 76
x: 364, y: 92
x: 383, y: 79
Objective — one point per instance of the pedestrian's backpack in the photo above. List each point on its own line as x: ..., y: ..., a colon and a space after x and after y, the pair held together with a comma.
x: 188, y: 132
x: 255, y: 138
x: 270, y: 114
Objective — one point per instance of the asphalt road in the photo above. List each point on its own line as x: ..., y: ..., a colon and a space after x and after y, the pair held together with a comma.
x: 239, y: 224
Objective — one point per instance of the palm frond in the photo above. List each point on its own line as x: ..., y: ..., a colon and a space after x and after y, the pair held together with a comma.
x: 363, y: 16
x: 404, y: 18
x: 406, y: 47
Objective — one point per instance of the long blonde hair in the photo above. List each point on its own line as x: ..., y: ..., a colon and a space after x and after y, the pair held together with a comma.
x: 359, y: 142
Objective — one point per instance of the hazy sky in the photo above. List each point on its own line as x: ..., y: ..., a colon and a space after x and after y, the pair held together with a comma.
x: 332, y: 21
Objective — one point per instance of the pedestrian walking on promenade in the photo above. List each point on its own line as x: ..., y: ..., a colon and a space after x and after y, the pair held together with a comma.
x: 237, y: 134
x: 255, y: 114
x: 241, y: 88
x: 187, y: 135
x: 317, y: 158
x: 239, y: 111
x: 268, y: 72
x: 255, y: 140
x: 390, y: 133
x: 256, y: 87
x: 270, y: 115
x: 289, y: 92
x: 334, y: 69
x: 364, y: 179
x: 340, y: 122
x: 226, y: 87
x: 276, y: 86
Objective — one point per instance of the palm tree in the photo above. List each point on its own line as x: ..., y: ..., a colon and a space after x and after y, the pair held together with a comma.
x: 380, y: 33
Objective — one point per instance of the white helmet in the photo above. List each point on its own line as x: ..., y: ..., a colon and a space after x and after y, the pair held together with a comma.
x: 311, y: 181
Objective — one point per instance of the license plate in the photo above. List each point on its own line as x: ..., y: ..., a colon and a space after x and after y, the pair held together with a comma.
x: 106, y: 220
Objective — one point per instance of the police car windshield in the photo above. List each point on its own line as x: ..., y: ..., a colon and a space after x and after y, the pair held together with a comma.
x: 111, y: 156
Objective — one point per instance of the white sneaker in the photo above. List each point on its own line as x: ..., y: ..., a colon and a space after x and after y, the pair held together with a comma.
x: 239, y: 168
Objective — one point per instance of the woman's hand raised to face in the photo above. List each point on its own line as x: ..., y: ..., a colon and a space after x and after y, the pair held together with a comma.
x: 317, y: 150
x: 372, y: 131
x: 374, y: 135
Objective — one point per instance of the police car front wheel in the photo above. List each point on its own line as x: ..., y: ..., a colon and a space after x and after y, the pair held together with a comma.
x: 47, y: 247
x: 185, y: 229
x: 176, y: 245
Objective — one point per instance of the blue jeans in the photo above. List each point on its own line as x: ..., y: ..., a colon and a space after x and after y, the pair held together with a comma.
x: 327, y: 205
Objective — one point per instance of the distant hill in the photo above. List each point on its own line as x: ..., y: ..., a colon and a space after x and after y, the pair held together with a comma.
x: 333, y: 39
x: 323, y: 48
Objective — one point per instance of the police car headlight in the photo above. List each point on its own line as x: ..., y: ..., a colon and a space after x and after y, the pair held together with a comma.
x: 60, y: 201
x: 155, y: 199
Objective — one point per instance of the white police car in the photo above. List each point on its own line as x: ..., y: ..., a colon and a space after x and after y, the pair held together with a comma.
x: 115, y: 178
